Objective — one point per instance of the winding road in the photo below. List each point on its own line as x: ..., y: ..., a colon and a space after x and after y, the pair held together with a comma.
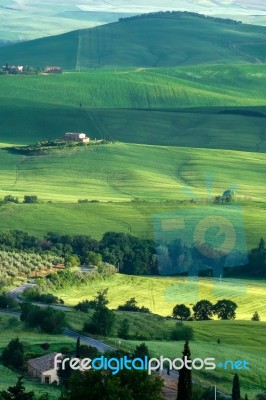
x: 14, y: 293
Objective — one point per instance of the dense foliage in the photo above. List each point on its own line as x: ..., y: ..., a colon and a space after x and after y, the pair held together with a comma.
x: 102, y: 320
x: 126, y: 385
x: 129, y: 254
x: 13, y: 354
x: 131, y: 305
x: 48, y: 319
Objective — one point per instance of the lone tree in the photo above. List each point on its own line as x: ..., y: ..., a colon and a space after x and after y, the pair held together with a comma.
x: 203, y: 310
x: 102, y: 320
x: 255, y: 316
x: 236, y: 388
x: 78, y: 348
x: 225, y: 309
x: 13, y: 354
x: 184, y: 390
x: 182, y: 312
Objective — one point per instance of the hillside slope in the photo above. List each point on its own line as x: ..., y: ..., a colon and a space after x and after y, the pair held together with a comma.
x: 147, y: 106
x: 164, y: 39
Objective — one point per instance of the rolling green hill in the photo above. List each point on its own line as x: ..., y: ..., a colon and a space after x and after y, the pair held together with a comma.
x: 121, y: 172
x: 149, y: 106
x: 116, y: 174
x: 150, y: 41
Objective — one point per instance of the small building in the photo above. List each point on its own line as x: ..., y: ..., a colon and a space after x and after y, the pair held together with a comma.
x: 43, y: 368
x: 52, y: 70
x: 76, y: 137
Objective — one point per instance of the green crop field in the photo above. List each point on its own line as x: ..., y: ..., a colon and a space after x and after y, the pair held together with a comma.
x: 161, y: 294
x: 209, y: 107
x: 133, y: 182
x: 200, y: 86
x: 119, y: 172
x: 148, y: 41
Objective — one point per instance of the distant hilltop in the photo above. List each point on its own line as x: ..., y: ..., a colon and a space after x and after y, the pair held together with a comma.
x: 163, y: 39
x: 179, y: 14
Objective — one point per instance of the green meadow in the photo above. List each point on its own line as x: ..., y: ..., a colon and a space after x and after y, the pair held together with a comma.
x: 132, y: 183
x: 191, y: 86
x: 161, y: 294
x: 206, y: 107
x: 119, y: 172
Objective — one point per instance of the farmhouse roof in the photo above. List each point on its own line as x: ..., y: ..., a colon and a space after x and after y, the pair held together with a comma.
x: 44, y: 363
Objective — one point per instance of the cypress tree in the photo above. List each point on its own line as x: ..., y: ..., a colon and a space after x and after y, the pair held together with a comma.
x: 236, y: 388
x: 184, y: 389
x: 78, y: 348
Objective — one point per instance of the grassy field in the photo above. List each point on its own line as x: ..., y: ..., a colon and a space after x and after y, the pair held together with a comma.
x: 192, y: 86
x: 210, y: 107
x: 161, y: 294
x: 239, y: 341
x: 117, y: 174
x: 145, y: 42
x: 96, y: 219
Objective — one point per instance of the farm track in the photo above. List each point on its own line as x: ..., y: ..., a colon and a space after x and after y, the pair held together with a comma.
x: 235, y: 47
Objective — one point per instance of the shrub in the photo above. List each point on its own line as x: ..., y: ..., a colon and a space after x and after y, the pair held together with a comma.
x: 181, y: 332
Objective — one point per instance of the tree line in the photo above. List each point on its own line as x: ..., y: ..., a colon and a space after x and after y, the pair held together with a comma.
x: 179, y: 14
x: 132, y: 255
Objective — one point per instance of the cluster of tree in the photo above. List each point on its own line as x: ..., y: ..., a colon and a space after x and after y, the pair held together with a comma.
x: 130, y: 254
x: 203, y: 310
x: 88, y: 201
x: 131, y: 305
x: 14, y: 263
x: 177, y: 258
x: 126, y: 385
x: 226, y: 197
x: 33, y: 294
x: 85, y: 305
x: 136, y: 256
x: 28, y: 199
x: 67, y: 278
x: 179, y: 14
x: 47, y: 319
x: 41, y: 148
